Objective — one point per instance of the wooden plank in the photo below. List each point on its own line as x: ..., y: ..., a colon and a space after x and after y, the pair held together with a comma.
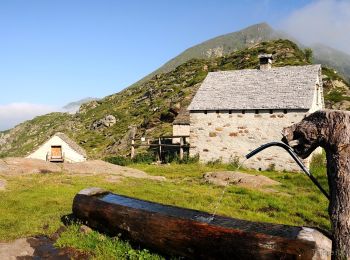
x: 185, y: 232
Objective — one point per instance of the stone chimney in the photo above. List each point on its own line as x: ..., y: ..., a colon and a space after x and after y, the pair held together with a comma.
x: 265, y: 61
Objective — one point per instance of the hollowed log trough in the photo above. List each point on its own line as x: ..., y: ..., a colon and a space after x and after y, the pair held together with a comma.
x: 184, y: 232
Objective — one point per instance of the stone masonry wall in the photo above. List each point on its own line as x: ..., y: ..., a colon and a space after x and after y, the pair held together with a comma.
x: 228, y: 136
x: 180, y: 130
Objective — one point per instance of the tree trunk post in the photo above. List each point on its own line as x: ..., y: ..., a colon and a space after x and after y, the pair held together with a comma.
x: 160, y: 149
x: 329, y: 129
x: 339, y: 205
x: 132, y: 148
x: 181, y: 148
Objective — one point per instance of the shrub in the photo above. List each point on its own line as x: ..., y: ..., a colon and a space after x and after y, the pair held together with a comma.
x: 271, y: 167
x: 213, y: 163
x: 118, y: 160
x: 144, y: 158
x: 233, y: 164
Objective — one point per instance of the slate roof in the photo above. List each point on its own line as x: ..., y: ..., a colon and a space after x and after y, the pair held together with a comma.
x: 290, y: 87
x: 183, y: 118
x: 71, y: 143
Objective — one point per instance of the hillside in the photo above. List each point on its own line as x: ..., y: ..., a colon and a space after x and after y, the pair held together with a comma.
x: 227, y: 43
x: 150, y: 108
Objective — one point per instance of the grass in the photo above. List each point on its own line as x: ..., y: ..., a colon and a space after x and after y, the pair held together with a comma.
x: 34, y: 204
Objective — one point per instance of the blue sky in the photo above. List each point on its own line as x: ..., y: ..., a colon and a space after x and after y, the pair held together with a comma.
x: 55, y: 52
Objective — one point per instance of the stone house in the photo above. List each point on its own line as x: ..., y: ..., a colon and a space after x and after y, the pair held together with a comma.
x: 234, y: 112
x: 181, y: 124
x: 59, y: 148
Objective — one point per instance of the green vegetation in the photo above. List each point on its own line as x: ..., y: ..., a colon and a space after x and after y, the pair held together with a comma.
x: 102, y: 246
x: 152, y: 106
x: 295, y: 202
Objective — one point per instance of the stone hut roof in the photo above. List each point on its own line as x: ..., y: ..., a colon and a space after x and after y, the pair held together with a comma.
x: 71, y: 143
x: 290, y: 87
x: 183, y: 118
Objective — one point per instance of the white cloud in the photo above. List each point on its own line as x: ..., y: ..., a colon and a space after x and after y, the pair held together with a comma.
x: 15, y: 113
x: 322, y: 21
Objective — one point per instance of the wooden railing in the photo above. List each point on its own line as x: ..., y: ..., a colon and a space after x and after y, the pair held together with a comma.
x: 158, y: 143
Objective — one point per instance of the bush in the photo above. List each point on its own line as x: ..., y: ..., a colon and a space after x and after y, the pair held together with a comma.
x: 318, y: 161
x: 271, y: 167
x: 119, y: 160
x: 214, y: 163
x: 144, y: 158
x: 234, y: 164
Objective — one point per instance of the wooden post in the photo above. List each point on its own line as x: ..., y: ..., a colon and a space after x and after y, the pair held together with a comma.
x: 132, y: 148
x: 160, y: 149
x: 181, y: 148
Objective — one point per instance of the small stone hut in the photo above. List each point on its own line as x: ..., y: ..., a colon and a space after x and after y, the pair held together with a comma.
x: 181, y: 124
x: 234, y: 112
x: 59, y: 148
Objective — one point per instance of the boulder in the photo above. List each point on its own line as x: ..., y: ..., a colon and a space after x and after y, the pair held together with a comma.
x: 224, y: 178
x: 105, y: 122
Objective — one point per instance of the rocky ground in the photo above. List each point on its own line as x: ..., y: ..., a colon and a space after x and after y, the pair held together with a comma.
x: 40, y: 248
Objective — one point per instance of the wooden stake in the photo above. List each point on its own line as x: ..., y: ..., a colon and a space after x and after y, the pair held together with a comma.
x: 132, y: 148
x: 181, y: 148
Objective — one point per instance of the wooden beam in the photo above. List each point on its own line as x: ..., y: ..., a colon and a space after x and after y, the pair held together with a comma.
x: 184, y: 232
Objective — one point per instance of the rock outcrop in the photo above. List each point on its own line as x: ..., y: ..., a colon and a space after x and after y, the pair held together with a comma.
x: 105, y: 122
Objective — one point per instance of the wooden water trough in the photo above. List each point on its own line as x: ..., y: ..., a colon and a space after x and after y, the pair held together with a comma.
x: 190, y: 233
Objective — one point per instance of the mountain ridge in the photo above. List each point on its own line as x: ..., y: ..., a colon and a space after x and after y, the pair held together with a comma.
x: 247, y: 37
x: 148, y: 109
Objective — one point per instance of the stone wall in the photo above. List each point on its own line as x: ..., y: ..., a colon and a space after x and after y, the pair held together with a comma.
x: 229, y: 136
x: 179, y: 129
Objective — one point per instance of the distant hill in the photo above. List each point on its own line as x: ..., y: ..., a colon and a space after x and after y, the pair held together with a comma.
x: 73, y: 107
x: 148, y: 109
x: 248, y: 37
x: 332, y: 58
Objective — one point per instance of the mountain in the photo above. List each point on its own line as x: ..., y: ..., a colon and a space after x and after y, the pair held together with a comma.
x: 149, y: 108
x: 333, y: 59
x: 248, y: 37
x: 73, y: 107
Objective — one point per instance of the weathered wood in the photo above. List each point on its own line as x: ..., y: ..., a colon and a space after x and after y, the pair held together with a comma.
x: 184, y: 232
x: 181, y: 149
x: 132, y: 155
x: 331, y: 131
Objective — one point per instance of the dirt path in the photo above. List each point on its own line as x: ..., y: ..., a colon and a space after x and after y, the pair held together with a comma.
x: 20, y: 166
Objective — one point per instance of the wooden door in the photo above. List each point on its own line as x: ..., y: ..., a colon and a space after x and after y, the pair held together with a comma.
x: 56, y: 151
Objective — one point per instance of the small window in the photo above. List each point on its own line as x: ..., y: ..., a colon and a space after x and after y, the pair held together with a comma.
x: 271, y: 111
x: 285, y: 111
x: 256, y: 111
x: 205, y: 112
x: 243, y: 111
x: 230, y: 112
x: 217, y: 111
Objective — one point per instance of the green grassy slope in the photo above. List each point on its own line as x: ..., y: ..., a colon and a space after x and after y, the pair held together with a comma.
x: 150, y: 107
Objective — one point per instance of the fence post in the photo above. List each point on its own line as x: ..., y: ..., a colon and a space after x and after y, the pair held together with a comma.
x: 160, y: 149
x: 181, y: 148
x: 132, y: 148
